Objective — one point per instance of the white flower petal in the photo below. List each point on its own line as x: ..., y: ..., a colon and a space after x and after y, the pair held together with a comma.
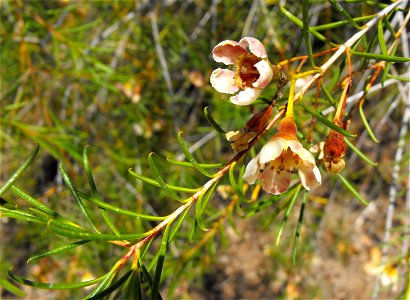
x: 265, y: 72
x: 227, y: 52
x: 272, y: 150
x: 303, y: 154
x: 246, y: 96
x: 274, y: 182
x: 252, y: 170
x: 254, y: 45
x: 310, y: 176
x: 222, y: 81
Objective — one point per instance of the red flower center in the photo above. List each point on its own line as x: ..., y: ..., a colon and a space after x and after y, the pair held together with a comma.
x: 246, y: 73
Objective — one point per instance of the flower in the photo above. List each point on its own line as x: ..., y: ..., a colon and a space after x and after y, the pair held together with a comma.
x: 253, y: 71
x: 334, y: 150
x: 280, y: 157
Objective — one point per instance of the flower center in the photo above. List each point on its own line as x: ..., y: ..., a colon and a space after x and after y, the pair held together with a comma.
x: 287, y: 161
x: 246, y: 73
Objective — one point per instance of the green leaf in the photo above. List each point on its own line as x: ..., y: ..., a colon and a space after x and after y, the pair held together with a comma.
x: 19, y: 171
x: 161, y: 181
x: 132, y: 288
x: 366, y: 124
x: 328, y: 96
x: 299, y: 23
x: 380, y: 35
x: 339, y: 8
x: 84, y: 235
x: 35, y: 202
x: 107, y: 291
x: 306, y: 33
x: 178, y: 224
x: 342, y: 23
x: 8, y: 286
x: 95, y: 193
x: 359, y: 153
x: 212, y: 122
x: 155, y: 183
x: 298, y: 228
x: 352, y: 189
x: 56, y: 251
x: 325, y: 121
x: 190, y: 165
x: 88, y: 173
x: 388, y: 58
x: 190, y: 157
x: 287, y: 212
x: 19, y: 215
x: 76, y: 197
x: 238, y: 190
x: 160, y: 263
x: 119, y: 210
x: 105, y: 281
x: 53, y: 286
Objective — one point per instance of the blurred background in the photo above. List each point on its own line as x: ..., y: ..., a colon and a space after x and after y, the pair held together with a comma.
x: 126, y: 76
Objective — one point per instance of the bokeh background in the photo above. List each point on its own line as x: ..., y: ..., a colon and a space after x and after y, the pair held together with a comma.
x: 125, y: 77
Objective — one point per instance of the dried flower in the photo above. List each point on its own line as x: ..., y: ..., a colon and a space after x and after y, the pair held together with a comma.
x: 334, y: 152
x: 253, y: 71
x: 279, y: 158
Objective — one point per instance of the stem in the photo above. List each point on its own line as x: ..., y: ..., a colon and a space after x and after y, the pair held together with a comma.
x: 289, y: 108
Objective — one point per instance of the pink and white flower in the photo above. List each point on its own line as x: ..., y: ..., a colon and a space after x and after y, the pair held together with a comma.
x: 279, y: 158
x: 253, y: 71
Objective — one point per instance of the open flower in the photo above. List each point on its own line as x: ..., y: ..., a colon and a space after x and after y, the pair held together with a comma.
x: 279, y: 158
x: 253, y: 71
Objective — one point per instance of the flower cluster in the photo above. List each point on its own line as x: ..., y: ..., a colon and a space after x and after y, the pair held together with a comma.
x: 283, y: 155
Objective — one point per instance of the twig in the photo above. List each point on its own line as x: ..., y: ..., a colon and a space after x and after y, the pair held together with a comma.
x: 164, y: 66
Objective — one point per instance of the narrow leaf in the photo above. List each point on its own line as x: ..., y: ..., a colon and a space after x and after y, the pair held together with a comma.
x: 287, y: 213
x: 119, y: 210
x: 132, y: 288
x: 53, y: 286
x: 190, y: 157
x: 328, y: 96
x: 76, y: 197
x: 299, y: 23
x: 105, y: 281
x: 19, y: 171
x: 159, y: 179
x: 57, y: 251
x: 366, y: 124
x: 95, y: 193
x: 11, y: 288
x: 298, y: 228
x: 212, y: 122
x: 160, y: 263
x: 19, y: 215
x: 360, y: 153
x: 339, y: 8
x: 352, y: 189
x: 380, y: 35
x: 84, y: 235
x: 155, y: 183
x: 35, y: 202
x: 238, y: 190
x: 325, y: 121
x: 388, y: 58
x: 190, y: 165
x: 306, y: 33
x: 107, y: 291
